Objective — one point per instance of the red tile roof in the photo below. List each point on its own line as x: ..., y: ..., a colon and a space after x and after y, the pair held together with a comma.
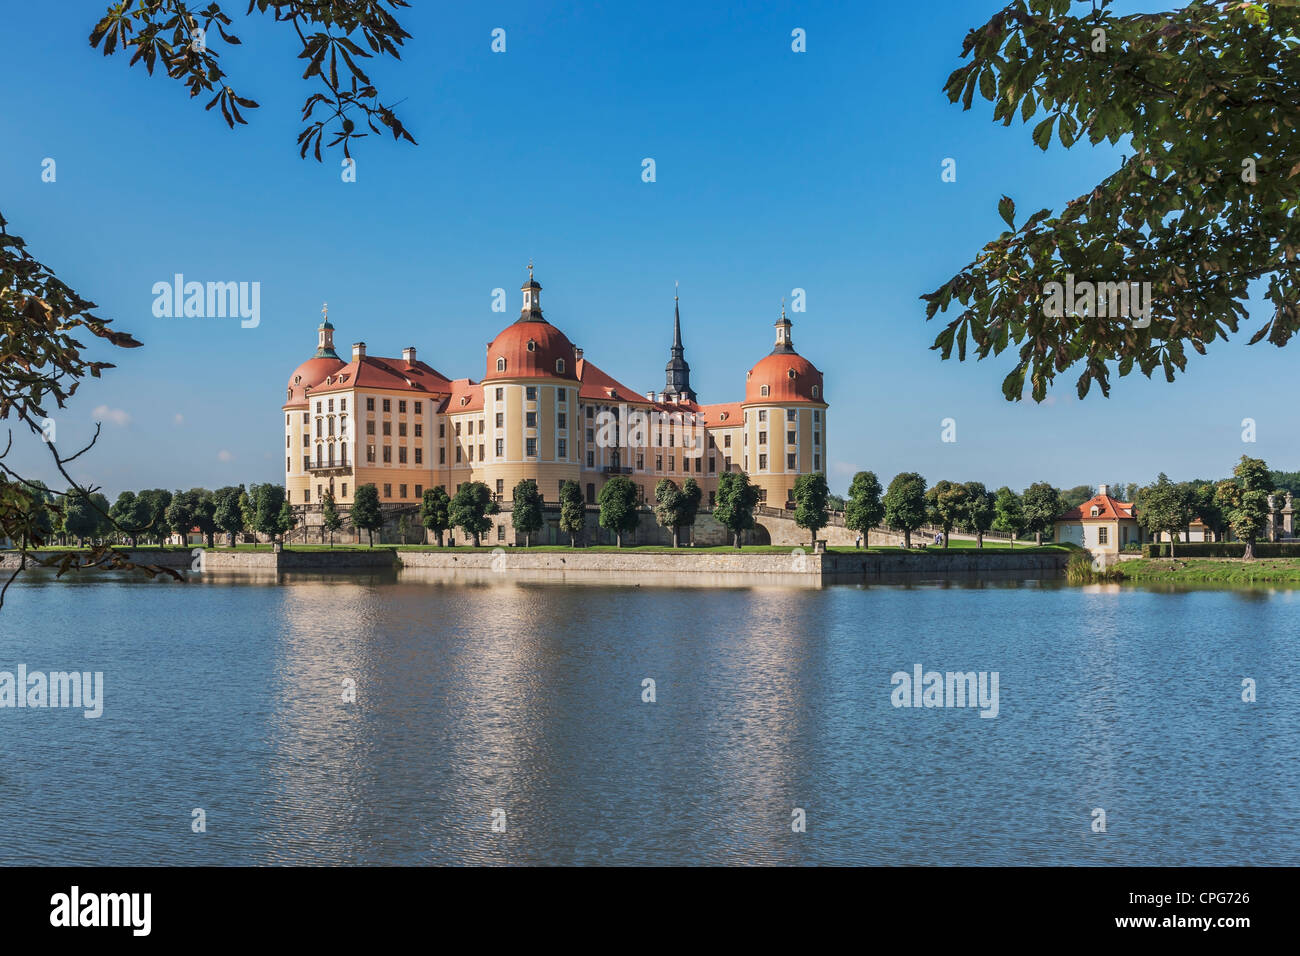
x: 1108, y: 509
x: 465, y: 396
x: 373, y: 371
x: 725, y: 414
x: 597, y: 386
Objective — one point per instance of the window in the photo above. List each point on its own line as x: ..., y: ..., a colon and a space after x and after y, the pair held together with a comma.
x: 458, y: 428
x: 726, y: 441
x: 401, y: 429
x: 345, y: 489
x: 471, y: 452
x: 659, y: 462
x: 370, y: 454
x: 559, y: 366
x: 815, y: 390
x: 817, y: 413
x: 481, y: 455
x: 401, y: 410
x: 561, y: 395
x: 762, y: 438
x: 762, y: 463
x: 288, y: 463
x: 531, y: 447
x: 562, y: 420
x: 1103, y: 535
x: 501, y: 420
x: 591, y: 493
x: 501, y: 532
x: 388, y: 428
x: 318, y: 421
x: 591, y: 460
x: 305, y: 418
x: 530, y: 419
x: 287, y: 440
x: 419, y: 410
x: 789, y: 438
x: 764, y: 390
x: 789, y: 414
x: 590, y: 412
x: 501, y: 486
x: 388, y: 491
x: 817, y: 438
x: 419, y: 489
x: 762, y: 414
x: 388, y: 405
x: 343, y: 452
x: 329, y: 406
x: 442, y: 429
x: 306, y: 440
x: 419, y: 430
x: 640, y: 462
x: 401, y: 455
x: 713, y: 465
x: 370, y: 404
x: 501, y: 394
x: 672, y: 463
x: 591, y: 434
x: 419, y: 456
x: 789, y: 462
x: 562, y: 449
x: 532, y: 346
x: 458, y: 454
x: 501, y: 367
x: 388, y: 454
x: 501, y: 447
x: 817, y: 462
x: 790, y: 374
x: 530, y: 393
x: 442, y: 456
x: 318, y: 408
x: 1094, y: 511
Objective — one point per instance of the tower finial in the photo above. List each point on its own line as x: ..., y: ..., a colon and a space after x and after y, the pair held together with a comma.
x: 783, y: 307
x: 325, y: 311
x: 530, y: 268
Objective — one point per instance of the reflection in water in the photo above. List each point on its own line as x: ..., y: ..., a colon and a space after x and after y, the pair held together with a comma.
x: 477, y: 691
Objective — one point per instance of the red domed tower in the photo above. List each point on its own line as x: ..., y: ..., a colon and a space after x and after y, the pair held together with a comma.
x: 785, y: 419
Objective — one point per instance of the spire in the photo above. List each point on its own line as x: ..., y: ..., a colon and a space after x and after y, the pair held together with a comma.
x: 325, y: 335
x: 677, y: 385
x: 783, y: 341
x: 531, y: 310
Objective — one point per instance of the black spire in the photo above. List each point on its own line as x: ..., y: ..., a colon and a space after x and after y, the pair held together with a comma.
x: 678, y: 372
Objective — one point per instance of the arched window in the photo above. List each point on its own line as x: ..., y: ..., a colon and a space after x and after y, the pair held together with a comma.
x: 1095, y: 511
x: 532, y: 346
x: 559, y: 366
x: 764, y: 390
x: 815, y: 391
x: 501, y: 365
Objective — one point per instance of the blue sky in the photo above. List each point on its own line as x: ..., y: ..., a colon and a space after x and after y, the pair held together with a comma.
x: 775, y: 171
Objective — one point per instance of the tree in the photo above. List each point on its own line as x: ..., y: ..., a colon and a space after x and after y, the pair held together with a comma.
x: 1073, y: 497
x: 734, y: 503
x: 403, y: 527
x: 905, y: 504
x: 180, y: 515
x: 981, y: 507
x: 692, y: 494
x: 434, y: 514
x: 268, y: 518
x: 155, y: 502
x: 130, y: 515
x: 1203, y: 203
x: 810, y: 493
x: 526, y: 511
x: 668, y: 506
x: 945, y: 505
x: 470, y: 509
x: 1166, y: 507
x: 228, y: 516
x: 330, y: 521
x: 79, y: 516
x: 1042, y: 506
x: 248, y: 507
x: 1207, y: 509
x: 204, y: 514
x: 864, y: 510
x: 367, y: 516
x: 1009, y: 513
x: 618, y: 507
x: 285, y: 519
x: 573, y: 511
x: 1244, y: 501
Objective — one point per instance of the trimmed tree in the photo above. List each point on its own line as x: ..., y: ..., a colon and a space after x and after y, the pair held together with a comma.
x: 471, y: 508
x: 130, y: 515
x: 205, y: 509
x: 904, y: 503
x: 1009, y: 513
x: 1244, y: 501
x: 734, y: 503
x: 526, y: 511
x: 573, y: 511
x: 270, y: 504
x: 367, y: 516
x: 228, y: 516
x: 286, y: 520
x: 330, y: 521
x: 864, y: 510
x: 435, y: 511
x: 945, y: 506
x: 180, y: 515
x: 692, y: 494
x: 1042, y: 506
x: 979, y: 512
x: 618, y: 511
x: 1166, y: 507
x: 810, y: 494
x: 668, y: 506
x: 79, y: 516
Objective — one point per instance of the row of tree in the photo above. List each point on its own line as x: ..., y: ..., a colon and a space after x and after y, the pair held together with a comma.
x: 1238, y: 504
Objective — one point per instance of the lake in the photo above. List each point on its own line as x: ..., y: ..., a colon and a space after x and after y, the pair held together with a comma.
x: 520, y: 701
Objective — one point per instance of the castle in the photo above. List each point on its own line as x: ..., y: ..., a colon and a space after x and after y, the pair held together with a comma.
x: 542, y: 410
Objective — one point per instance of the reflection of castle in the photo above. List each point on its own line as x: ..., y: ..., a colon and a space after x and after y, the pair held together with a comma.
x: 405, y: 427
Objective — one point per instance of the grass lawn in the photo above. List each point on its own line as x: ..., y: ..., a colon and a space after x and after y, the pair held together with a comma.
x: 1214, y: 570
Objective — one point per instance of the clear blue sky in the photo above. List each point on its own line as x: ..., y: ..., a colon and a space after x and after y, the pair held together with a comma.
x: 775, y: 170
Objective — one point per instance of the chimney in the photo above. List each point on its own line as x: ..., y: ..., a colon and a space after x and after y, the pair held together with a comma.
x: 650, y: 394
x: 358, y: 351
x: 1103, y: 489
x: 577, y: 353
x: 408, y: 355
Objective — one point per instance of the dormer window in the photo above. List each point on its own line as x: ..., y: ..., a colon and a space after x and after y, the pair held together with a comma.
x: 501, y: 365
x: 297, y: 379
x: 790, y: 373
x: 815, y: 390
x: 1094, y: 511
x: 559, y: 366
x: 764, y: 390
x: 532, y: 346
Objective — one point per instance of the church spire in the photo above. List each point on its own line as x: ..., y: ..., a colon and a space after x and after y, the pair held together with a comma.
x: 677, y: 385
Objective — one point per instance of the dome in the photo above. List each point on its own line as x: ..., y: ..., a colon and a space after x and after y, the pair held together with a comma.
x: 530, y: 349
x: 789, y: 377
x: 310, y: 372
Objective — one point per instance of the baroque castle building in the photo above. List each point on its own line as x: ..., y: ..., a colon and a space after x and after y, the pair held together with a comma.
x: 545, y: 411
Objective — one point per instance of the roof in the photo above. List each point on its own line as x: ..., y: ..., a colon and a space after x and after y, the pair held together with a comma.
x: 373, y: 371
x: 790, y: 378
x: 597, y: 386
x: 530, y: 348
x: 725, y: 414
x: 1108, y: 509
x: 465, y: 395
